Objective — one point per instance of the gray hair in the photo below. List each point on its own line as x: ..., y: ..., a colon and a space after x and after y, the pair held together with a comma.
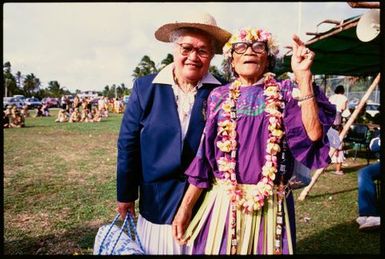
x: 175, y: 36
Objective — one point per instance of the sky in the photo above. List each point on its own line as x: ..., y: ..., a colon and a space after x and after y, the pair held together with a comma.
x: 87, y: 46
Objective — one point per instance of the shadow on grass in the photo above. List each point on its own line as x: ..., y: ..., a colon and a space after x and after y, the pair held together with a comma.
x: 74, y: 242
x: 330, y: 193
x: 341, y: 239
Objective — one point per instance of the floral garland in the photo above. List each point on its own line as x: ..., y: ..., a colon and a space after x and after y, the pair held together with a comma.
x: 253, y: 200
x: 250, y: 35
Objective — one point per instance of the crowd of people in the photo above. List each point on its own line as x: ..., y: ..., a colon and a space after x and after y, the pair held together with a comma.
x: 78, y: 110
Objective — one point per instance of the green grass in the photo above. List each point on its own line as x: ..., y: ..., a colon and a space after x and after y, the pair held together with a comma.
x: 59, y: 188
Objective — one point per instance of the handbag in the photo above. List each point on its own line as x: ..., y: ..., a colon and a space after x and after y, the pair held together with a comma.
x: 112, y: 240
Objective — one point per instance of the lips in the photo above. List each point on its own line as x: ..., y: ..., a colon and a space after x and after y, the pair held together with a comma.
x: 193, y: 65
x: 250, y: 62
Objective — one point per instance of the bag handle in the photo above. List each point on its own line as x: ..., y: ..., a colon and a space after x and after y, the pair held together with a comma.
x: 133, y: 226
x: 128, y: 220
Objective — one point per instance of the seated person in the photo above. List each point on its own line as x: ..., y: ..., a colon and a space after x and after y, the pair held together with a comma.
x: 369, y: 212
x: 17, y: 120
x: 38, y: 111
x: 75, y: 116
x: 96, y: 115
x: 8, y: 111
x: 5, y: 120
x: 62, y: 116
x: 25, y: 111
x: 45, y: 110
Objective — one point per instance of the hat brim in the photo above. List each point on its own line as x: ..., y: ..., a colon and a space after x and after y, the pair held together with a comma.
x: 221, y: 36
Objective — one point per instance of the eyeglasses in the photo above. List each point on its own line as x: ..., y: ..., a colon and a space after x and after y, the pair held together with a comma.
x: 186, y: 49
x: 256, y: 46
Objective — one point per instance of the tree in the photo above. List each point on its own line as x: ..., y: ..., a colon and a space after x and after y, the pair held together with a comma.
x: 226, y: 71
x: 106, y: 90
x: 54, y: 89
x: 145, y: 67
x: 9, y: 82
x: 31, y: 84
x: 168, y: 60
x: 18, y: 79
x: 215, y: 72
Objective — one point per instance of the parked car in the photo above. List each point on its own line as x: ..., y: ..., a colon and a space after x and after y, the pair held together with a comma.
x: 12, y: 101
x: 32, y: 102
x: 51, y: 102
x: 372, y: 108
x: 20, y: 98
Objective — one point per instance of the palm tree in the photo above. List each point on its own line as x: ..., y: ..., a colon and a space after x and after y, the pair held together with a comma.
x: 54, y: 89
x: 9, y: 81
x: 168, y: 60
x: 145, y: 67
x: 18, y: 79
x: 31, y: 84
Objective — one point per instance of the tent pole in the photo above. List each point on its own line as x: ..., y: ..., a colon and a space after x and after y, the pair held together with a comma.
x: 352, y: 118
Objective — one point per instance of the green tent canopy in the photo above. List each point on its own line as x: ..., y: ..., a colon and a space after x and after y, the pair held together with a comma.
x: 340, y: 52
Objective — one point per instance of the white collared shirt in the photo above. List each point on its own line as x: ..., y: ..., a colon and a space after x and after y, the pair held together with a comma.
x: 184, y: 101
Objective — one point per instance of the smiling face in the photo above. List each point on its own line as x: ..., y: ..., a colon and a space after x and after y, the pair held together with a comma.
x: 250, y: 66
x: 192, y: 67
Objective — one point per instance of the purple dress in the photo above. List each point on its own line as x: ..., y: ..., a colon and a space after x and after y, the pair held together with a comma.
x: 252, y: 132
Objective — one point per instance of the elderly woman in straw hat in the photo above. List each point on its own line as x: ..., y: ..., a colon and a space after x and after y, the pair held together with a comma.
x: 255, y: 126
x: 161, y: 128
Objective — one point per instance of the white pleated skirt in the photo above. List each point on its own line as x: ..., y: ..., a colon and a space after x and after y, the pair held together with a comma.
x: 157, y: 239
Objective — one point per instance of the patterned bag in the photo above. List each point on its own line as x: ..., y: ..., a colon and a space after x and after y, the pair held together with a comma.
x: 112, y: 240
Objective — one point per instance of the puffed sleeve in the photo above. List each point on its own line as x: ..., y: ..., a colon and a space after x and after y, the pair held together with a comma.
x: 311, y: 154
x: 200, y: 171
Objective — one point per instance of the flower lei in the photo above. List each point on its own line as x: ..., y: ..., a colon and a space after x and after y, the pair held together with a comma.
x: 253, y: 200
x: 250, y: 35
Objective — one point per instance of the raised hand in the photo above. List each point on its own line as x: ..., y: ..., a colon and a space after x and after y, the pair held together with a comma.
x: 302, y: 57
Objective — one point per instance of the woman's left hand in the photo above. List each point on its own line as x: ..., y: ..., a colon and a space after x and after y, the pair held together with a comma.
x: 302, y: 57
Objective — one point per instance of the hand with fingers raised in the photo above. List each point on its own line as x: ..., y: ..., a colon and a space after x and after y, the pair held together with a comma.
x: 302, y: 59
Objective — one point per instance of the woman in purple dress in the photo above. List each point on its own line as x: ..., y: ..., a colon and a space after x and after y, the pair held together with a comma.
x: 256, y: 126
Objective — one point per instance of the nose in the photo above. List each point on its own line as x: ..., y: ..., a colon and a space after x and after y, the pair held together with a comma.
x: 249, y: 50
x: 193, y: 55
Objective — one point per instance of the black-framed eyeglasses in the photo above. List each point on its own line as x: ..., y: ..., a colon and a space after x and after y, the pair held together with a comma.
x: 186, y: 49
x: 256, y: 46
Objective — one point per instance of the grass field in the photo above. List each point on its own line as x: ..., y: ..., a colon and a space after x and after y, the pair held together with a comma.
x: 59, y: 187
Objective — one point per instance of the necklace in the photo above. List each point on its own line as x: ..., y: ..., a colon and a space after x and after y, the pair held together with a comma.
x: 252, y: 200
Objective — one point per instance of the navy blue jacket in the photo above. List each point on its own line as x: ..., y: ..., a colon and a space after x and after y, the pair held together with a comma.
x: 150, y: 154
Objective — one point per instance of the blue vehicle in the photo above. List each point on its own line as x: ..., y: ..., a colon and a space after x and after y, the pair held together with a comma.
x: 32, y: 102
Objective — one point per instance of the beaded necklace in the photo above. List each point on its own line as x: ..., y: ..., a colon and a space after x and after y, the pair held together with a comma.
x: 253, y: 200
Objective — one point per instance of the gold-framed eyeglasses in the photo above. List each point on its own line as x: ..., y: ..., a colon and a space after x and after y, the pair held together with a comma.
x: 256, y: 46
x: 186, y: 49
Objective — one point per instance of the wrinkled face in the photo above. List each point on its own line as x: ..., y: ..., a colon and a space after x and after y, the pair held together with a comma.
x: 250, y: 64
x: 190, y: 56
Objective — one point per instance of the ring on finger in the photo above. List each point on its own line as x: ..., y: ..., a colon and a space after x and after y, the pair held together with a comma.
x: 307, y: 51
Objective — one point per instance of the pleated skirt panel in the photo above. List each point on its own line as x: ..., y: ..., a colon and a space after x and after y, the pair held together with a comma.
x: 157, y: 239
x: 208, y: 232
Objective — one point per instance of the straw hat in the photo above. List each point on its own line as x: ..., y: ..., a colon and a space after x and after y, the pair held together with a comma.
x: 202, y: 21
